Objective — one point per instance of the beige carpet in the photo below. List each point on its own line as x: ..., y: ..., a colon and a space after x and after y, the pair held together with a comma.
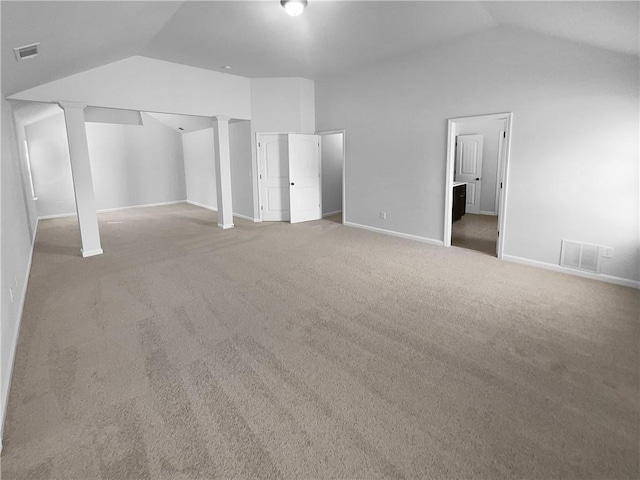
x: 476, y: 232
x: 313, y: 351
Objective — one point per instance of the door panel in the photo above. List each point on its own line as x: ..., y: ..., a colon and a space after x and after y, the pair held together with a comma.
x: 304, y: 178
x: 273, y: 152
x: 469, y: 168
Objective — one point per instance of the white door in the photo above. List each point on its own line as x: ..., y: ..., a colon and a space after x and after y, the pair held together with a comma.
x: 304, y: 178
x: 469, y: 168
x: 273, y: 152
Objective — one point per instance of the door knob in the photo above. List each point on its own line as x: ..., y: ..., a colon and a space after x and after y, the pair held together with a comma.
x: 292, y: 183
x: 476, y: 180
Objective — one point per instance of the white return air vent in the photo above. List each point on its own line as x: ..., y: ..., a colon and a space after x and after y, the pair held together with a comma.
x: 28, y: 51
x: 581, y: 256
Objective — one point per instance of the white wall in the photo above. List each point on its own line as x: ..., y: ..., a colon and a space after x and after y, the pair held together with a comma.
x: 241, y: 168
x: 131, y: 164
x: 199, y: 167
x: 146, y: 84
x: 331, y: 148
x: 280, y: 105
x: 15, y: 249
x: 574, y: 169
x: 491, y: 131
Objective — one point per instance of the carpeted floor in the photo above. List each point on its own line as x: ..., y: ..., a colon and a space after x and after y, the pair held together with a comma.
x: 476, y: 232
x: 312, y: 351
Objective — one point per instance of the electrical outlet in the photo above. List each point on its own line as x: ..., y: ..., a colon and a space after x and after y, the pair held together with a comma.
x: 383, y: 215
x: 607, y: 252
x: 11, y: 294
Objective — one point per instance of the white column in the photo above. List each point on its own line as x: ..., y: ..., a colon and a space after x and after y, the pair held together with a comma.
x: 82, y: 181
x: 223, y: 171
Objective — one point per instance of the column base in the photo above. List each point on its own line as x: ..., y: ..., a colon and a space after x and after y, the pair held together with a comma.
x: 91, y: 253
x: 224, y: 227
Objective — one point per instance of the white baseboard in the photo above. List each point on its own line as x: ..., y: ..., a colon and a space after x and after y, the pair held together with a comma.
x: 485, y: 212
x: 244, y: 217
x: 14, y: 344
x: 202, y: 205
x: 239, y: 215
x: 116, y: 209
x: 224, y: 227
x: 578, y: 273
x: 407, y: 236
x: 328, y: 214
x: 92, y: 253
x: 161, y: 204
x: 58, y: 215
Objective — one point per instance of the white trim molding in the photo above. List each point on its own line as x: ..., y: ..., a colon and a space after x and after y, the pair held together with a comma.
x: 344, y: 167
x: 244, y: 217
x: 626, y: 282
x: 503, y: 173
x: 6, y: 385
x: 328, y: 214
x: 91, y: 253
x: 201, y: 205
x: 115, y: 209
x: 392, y: 233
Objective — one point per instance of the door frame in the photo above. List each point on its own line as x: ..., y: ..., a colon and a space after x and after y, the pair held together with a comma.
x: 258, y: 181
x: 344, y: 162
x: 503, y: 168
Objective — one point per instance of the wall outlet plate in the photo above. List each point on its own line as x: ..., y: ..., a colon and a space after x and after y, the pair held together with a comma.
x: 383, y: 215
x: 607, y: 252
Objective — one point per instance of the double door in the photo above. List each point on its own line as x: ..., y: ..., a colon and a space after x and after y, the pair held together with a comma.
x: 289, y: 177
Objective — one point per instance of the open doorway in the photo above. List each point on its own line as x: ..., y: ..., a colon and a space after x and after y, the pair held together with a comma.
x: 478, y: 150
x: 333, y: 157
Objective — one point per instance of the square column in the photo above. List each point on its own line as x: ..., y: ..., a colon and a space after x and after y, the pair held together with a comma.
x: 223, y: 171
x: 82, y: 180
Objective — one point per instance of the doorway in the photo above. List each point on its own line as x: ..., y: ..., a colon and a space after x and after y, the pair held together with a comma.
x: 478, y: 151
x: 289, y: 177
x: 332, y: 147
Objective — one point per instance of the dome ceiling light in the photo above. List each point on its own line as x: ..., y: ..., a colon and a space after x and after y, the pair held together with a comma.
x: 294, y: 7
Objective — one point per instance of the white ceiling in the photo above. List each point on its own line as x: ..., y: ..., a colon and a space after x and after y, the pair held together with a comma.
x: 259, y: 40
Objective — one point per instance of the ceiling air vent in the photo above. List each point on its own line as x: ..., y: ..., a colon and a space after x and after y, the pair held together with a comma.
x: 581, y: 256
x: 28, y: 51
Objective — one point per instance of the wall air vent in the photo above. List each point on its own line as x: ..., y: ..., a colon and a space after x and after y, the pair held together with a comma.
x: 28, y: 51
x: 581, y: 256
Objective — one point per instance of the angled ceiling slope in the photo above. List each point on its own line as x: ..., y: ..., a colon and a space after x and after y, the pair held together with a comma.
x: 74, y: 36
x: 259, y: 40
x: 150, y: 85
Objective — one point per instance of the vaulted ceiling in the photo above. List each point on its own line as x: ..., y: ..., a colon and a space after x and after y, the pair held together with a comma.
x: 259, y: 40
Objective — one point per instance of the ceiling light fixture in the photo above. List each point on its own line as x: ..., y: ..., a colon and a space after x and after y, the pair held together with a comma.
x: 294, y: 7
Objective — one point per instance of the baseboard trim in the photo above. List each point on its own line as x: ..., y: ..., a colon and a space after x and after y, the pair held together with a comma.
x: 328, y: 214
x: 14, y: 344
x: 115, y: 209
x: 92, y: 253
x: 58, y: 215
x: 484, y: 212
x: 244, y: 217
x: 201, y: 205
x: 392, y: 233
x: 239, y: 215
x: 225, y: 227
x: 577, y: 273
x: 148, y: 205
